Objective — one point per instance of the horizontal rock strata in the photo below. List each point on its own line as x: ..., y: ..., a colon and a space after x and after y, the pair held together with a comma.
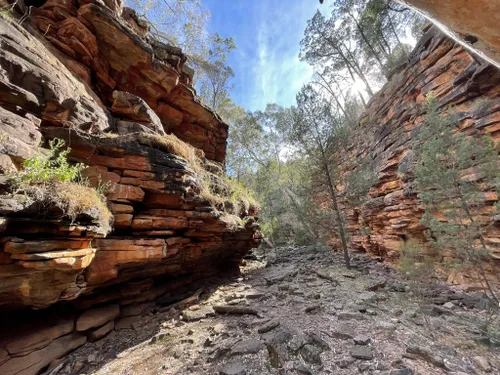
x: 459, y: 81
x: 87, y: 72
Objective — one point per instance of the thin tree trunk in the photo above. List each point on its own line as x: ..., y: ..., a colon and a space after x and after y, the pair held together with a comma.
x: 335, y: 206
x: 483, y: 245
x: 354, y: 64
x: 329, y: 89
x: 391, y: 24
x: 365, y: 39
x: 340, y: 221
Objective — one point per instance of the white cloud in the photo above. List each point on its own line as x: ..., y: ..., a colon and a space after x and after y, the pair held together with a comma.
x: 279, y: 73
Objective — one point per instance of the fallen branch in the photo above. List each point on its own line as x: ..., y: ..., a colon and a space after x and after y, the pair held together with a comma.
x: 193, y: 298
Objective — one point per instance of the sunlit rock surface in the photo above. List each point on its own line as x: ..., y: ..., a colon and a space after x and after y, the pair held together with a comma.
x: 461, y: 83
x: 474, y: 23
x: 87, y: 72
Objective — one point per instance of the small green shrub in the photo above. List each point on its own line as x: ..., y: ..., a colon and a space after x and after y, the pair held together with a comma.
x: 414, y: 262
x: 241, y: 196
x: 49, y: 167
x: 50, y: 181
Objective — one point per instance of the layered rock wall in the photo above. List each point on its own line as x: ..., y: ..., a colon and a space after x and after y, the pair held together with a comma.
x: 460, y: 82
x: 88, y: 73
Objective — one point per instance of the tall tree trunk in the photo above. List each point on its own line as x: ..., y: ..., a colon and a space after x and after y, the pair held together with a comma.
x: 332, y: 93
x: 483, y: 245
x: 335, y: 206
x: 391, y: 24
x: 351, y: 60
x: 338, y: 214
x: 369, y: 45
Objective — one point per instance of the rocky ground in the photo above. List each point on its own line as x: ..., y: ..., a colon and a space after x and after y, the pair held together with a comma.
x: 299, y: 311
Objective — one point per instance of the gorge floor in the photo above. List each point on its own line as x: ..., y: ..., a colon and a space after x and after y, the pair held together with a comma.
x: 299, y: 311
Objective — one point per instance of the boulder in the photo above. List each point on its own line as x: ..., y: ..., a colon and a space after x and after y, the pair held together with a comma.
x: 130, y: 107
x: 32, y: 363
x: 362, y: 352
x: 100, y: 332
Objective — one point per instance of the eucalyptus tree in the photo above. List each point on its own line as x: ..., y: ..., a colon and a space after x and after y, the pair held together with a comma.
x: 328, y: 42
x: 184, y: 23
x: 362, y: 39
x: 350, y: 12
x: 322, y: 134
x: 216, y: 83
x: 262, y: 140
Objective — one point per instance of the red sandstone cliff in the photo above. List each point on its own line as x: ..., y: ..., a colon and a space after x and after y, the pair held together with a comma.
x: 87, y: 72
x: 458, y: 80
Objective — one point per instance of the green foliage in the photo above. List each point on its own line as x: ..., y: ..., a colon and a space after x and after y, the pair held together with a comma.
x: 241, y: 195
x: 50, y: 181
x: 453, y: 173
x: 184, y: 23
x: 414, y: 262
x: 49, y: 167
x: 359, y: 181
x: 365, y: 121
x: 360, y: 41
x: 6, y: 14
x: 397, y: 56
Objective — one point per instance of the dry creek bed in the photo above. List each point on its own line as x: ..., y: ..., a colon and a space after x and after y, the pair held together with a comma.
x: 297, y: 310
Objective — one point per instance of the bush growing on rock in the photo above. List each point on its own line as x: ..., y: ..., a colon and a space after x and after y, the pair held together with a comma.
x: 56, y: 187
x: 455, y: 175
x: 49, y: 166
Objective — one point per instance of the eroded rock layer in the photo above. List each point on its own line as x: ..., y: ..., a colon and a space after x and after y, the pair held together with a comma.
x: 88, y: 73
x: 460, y: 83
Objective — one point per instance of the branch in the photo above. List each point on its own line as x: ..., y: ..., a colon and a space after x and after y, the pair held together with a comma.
x: 404, y: 9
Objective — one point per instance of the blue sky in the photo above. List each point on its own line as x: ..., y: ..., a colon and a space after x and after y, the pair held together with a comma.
x: 267, y: 35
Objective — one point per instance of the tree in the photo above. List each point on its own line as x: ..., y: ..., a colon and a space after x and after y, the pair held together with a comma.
x: 183, y: 23
x: 362, y: 39
x: 263, y: 160
x: 326, y: 43
x: 321, y: 133
x: 453, y: 175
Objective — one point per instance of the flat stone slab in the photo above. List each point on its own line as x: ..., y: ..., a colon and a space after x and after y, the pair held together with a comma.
x: 250, y: 346
x: 362, y: 340
x: 233, y: 368
x: 268, y: 326
x: 362, y: 352
x: 201, y: 313
x: 343, y: 333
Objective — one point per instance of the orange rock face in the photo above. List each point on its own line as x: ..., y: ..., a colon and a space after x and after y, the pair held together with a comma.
x: 392, y: 213
x: 92, y: 70
x: 97, y: 38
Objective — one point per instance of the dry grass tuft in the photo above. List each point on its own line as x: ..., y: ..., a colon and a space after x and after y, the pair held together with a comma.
x: 227, y: 196
x: 73, y: 200
x: 172, y: 145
